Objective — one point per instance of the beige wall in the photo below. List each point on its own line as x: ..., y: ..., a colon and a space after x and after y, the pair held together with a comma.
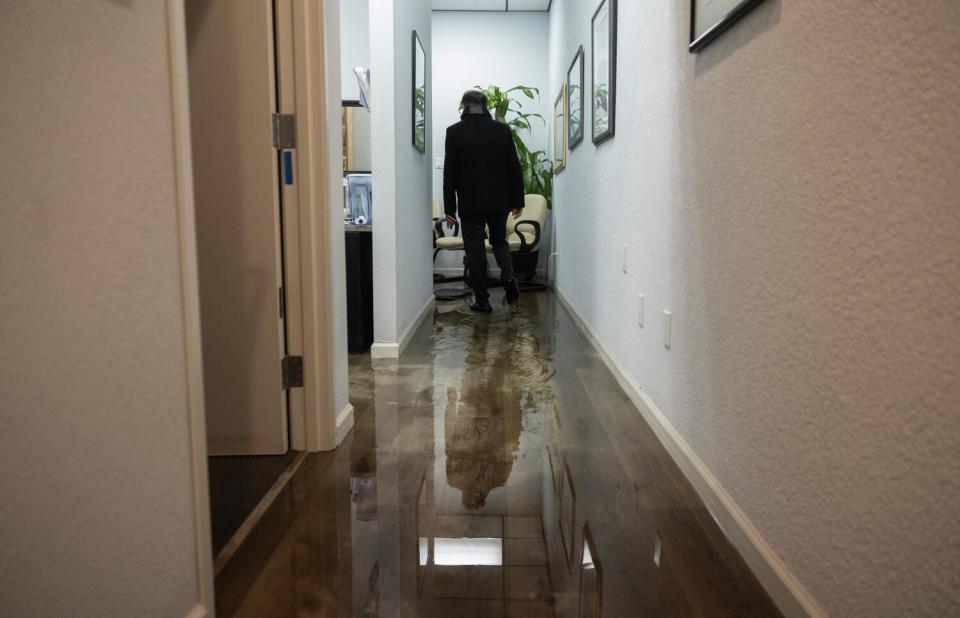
x: 96, y: 515
x: 792, y: 195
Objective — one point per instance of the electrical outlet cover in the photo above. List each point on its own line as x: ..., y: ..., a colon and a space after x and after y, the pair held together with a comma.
x: 667, y: 328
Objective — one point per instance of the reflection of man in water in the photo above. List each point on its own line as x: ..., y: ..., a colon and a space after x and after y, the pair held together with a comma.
x: 482, y: 429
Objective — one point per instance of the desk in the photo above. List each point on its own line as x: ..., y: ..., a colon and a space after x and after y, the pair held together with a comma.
x: 359, y: 258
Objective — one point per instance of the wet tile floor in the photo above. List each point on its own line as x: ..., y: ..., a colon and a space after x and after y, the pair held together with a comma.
x: 496, y: 470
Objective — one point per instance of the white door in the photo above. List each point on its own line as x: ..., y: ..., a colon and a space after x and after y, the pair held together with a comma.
x: 233, y: 92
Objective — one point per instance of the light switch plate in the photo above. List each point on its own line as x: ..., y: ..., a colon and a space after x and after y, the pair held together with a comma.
x: 667, y: 328
x: 640, y: 310
x: 438, y: 162
x: 625, y: 251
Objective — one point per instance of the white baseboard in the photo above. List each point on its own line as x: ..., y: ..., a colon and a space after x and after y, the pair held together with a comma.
x: 197, y: 611
x: 779, y: 582
x: 394, y: 350
x: 448, y: 272
x: 458, y: 272
x: 493, y: 272
x: 344, y: 423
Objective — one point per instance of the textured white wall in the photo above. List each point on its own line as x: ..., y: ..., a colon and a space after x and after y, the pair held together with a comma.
x: 402, y: 237
x: 476, y: 47
x: 354, y: 44
x: 791, y: 194
x: 96, y: 514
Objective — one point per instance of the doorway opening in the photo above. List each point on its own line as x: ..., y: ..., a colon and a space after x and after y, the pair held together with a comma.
x: 244, y: 155
x: 268, y: 265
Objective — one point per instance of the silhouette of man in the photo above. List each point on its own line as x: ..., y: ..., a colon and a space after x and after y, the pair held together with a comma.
x: 483, y: 182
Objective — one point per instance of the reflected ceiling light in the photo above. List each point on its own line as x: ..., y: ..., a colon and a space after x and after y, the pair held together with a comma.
x: 467, y: 552
x: 587, y: 557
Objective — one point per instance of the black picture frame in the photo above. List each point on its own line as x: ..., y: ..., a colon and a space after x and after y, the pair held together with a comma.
x: 419, y: 125
x: 700, y: 40
x: 575, y: 117
x: 607, y: 130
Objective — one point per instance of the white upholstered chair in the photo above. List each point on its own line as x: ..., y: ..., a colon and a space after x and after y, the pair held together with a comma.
x: 524, y: 236
x: 442, y: 242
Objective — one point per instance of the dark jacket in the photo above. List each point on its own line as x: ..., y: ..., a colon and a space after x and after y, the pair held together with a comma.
x: 481, y: 171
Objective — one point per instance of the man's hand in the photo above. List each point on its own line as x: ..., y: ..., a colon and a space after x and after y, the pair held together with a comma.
x: 451, y: 222
x: 517, y: 212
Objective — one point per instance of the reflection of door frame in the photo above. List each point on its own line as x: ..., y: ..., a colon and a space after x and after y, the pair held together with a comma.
x: 309, y: 251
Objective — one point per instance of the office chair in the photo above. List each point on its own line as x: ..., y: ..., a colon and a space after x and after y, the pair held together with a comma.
x: 442, y: 242
x: 438, y: 232
x: 523, y: 236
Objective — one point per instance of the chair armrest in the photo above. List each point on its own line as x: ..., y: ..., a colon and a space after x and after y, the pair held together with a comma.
x: 526, y: 247
x: 438, y: 228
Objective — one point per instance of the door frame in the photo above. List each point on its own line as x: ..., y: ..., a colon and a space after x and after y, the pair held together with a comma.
x: 311, y: 253
x: 190, y: 292
x: 318, y: 421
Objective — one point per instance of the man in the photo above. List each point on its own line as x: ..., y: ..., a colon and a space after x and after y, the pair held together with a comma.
x: 483, y: 182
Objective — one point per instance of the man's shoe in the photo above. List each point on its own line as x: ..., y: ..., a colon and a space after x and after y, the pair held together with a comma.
x: 483, y: 307
x: 512, y: 290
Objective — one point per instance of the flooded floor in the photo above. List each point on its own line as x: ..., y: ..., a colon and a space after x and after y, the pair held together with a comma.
x: 496, y: 470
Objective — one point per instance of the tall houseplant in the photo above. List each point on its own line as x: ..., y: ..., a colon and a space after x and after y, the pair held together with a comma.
x: 506, y: 107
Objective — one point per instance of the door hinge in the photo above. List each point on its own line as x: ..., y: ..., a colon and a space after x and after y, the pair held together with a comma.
x: 284, y: 131
x: 291, y: 370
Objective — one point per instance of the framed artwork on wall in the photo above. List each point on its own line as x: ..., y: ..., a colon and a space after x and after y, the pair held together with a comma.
x: 603, y: 78
x: 575, y: 100
x: 709, y: 18
x: 560, y: 131
x: 419, y: 95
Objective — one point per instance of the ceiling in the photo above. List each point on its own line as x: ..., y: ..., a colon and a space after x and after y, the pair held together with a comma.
x: 491, y: 5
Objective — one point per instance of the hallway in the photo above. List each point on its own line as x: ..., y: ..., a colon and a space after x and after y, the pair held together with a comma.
x: 478, y: 466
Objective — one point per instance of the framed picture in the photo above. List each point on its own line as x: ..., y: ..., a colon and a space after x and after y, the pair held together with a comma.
x: 591, y: 579
x: 575, y: 100
x: 603, y: 77
x: 560, y: 131
x: 419, y: 95
x: 709, y: 18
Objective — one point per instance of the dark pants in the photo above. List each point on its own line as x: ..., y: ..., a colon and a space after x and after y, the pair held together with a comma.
x: 472, y: 229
